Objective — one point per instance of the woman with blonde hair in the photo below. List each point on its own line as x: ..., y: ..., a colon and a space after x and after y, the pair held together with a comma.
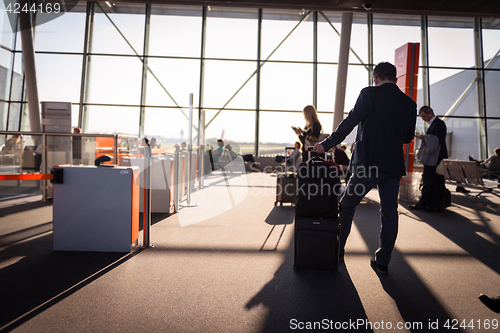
x: 310, y: 134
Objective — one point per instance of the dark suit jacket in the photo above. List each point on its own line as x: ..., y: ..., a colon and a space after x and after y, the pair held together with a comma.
x: 386, y: 118
x: 438, y: 128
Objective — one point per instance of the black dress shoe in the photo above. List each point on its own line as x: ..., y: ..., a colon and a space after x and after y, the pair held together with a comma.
x: 416, y: 207
x: 462, y: 189
x: 378, y: 267
x: 493, y: 303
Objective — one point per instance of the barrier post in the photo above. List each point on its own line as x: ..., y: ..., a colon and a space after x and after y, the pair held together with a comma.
x: 201, y: 135
x: 176, y: 179
x: 146, y: 218
x: 44, y: 167
x: 190, y: 154
x: 115, y: 150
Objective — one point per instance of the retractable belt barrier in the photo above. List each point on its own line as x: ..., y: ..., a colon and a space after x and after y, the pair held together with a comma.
x: 56, y: 176
x: 27, y: 177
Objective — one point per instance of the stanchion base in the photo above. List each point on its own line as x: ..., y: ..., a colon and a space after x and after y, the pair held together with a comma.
x: 143, y: 247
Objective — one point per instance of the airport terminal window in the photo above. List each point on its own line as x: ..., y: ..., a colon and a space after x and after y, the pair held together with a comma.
x: 455, y: 86
x: 17, y: 79
x: 59, y: 77
x: 357, y: 79
x: 491, y: 85
x: 327, y: 81
x: 5, y: 73
x: 63, y: 34
x: 493, y: 135
x: 297, y: 47
x: 236, y: 125
x: 389, y: 36
x: 329, y: 40
x: 115, y: 80
x: 175, y: 34
x: 7, y: 38
x: 491, y: 43
x: 168, y: 122
x: 286, y: 81
x: 112, y: 119
x: 178, y: 77
x: 286, y: 86
x: 222, y: 81
x: 107, y: 38
x: 231, y: 37
x: 278, y: 124
x: 465, y: 137
x: 14, y: 116
x: 4, y: 108
x: 450, y: 46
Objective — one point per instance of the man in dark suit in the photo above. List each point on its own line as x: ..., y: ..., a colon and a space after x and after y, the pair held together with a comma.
x: 385, y: 118
x: 429, y: 201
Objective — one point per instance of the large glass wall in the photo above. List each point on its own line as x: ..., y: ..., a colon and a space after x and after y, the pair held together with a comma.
x: 245, y: 67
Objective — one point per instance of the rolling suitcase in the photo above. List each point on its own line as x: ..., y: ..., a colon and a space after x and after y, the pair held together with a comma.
x: 286, y: 184
x: 317, y: 227
x: 316, y: 243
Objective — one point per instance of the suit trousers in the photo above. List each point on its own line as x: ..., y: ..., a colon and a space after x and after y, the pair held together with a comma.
x: 388, y: 189
x: 430, y: 190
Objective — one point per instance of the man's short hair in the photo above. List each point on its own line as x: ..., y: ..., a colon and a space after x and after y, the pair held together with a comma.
x: 426, y: 109
x: 497, y: 151
x: 385, y: 71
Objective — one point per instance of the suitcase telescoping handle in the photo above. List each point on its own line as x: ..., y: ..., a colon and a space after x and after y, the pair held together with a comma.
x: 286, y: 156
x: 309, y: 150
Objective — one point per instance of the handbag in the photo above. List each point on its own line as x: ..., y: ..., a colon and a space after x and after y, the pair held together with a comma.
x: 320, y: 138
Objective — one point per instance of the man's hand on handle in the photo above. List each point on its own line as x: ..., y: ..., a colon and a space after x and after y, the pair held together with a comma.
x: 318, y: 147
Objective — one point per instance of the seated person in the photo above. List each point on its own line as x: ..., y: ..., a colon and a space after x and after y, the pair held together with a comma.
x: 231, y: 152
x: 492, y: 163
x: 217, y: 153
x: 10, y: 153
x: 154, y: 143
x: 293, y: 157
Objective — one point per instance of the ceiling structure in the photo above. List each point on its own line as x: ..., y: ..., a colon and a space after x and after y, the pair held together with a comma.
x: 469, y: 8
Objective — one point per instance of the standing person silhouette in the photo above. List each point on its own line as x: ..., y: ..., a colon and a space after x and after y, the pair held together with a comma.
x: 311, y: 131
x: 385, y: 118
x: 429, y: 201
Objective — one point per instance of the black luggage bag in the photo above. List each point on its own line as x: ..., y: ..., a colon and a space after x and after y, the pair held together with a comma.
x: 444, y: 193
x: 317, y: 227
x: 316, y: 243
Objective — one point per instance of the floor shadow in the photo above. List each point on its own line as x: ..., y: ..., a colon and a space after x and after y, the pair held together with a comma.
x: 23, y: 207
x: 32, y: 272
x: 466, y: 234
x: 414, y: 300
x: 281, y: 215
x: 294, y: 299
x: 155, y: 218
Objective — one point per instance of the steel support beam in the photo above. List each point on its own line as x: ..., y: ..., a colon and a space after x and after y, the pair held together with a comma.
x: 28, y: 51
x: 345, y: 41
